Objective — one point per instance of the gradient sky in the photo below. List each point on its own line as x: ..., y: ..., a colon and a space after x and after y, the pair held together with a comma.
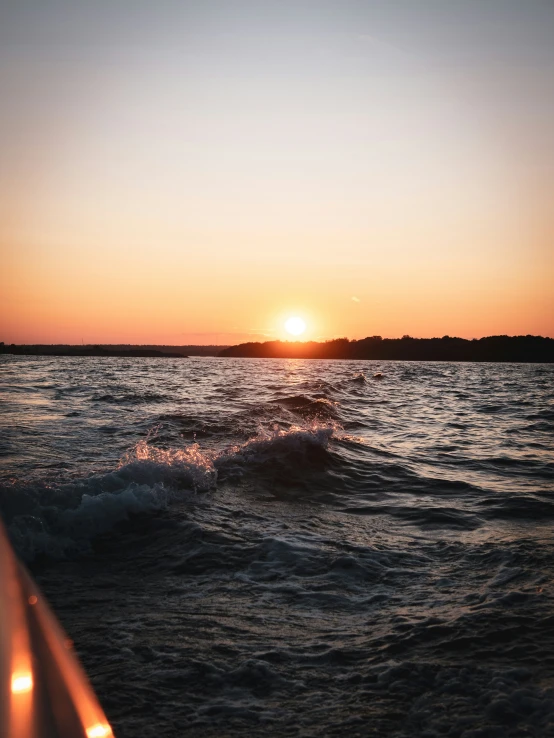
x: 197, y: 172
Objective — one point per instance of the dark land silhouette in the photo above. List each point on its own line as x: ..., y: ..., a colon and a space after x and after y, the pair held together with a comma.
x: 528, y: 348
x: 129, y: 350
x: 492, y: 348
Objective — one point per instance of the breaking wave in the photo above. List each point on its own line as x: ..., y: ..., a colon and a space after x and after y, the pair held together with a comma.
x: 61, y: 521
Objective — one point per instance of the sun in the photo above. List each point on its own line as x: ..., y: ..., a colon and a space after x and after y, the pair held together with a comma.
x: 295, y: 326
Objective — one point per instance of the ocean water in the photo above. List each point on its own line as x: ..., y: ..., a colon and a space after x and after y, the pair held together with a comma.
x: 292, y: 548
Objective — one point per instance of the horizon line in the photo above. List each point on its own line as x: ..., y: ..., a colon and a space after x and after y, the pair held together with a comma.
x: 280, y: 340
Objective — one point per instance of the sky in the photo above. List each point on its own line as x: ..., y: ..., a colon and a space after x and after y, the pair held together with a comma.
x: 182, y: 172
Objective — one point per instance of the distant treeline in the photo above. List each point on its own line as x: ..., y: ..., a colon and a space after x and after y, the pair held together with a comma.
x: 491, y: 348
x: 189, y: 350
x: 129, y: 350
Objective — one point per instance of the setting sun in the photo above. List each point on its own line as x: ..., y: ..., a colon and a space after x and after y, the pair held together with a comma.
x: 295, y: 326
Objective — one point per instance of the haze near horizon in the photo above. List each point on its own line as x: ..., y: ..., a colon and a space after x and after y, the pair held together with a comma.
x: 201, y: 173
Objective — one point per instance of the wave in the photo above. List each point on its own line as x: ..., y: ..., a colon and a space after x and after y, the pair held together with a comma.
x: 60, y: 533
x: 319, y: 407
x: 130, y: 398
x: 62, y: 521
x: 276, y: 445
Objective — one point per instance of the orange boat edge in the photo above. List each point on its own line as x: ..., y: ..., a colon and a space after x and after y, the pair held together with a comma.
x: 44, y: 691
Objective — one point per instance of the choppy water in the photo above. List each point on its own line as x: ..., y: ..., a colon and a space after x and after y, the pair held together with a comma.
x: 249, y: 547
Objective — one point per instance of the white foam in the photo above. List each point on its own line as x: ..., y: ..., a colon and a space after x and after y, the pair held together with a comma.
x: 72, y: 530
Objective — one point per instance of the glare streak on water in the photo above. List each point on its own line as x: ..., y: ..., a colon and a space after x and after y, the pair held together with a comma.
x: 292, y: 547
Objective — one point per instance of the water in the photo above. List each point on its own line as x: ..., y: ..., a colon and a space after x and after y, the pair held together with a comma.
x: 250, y: 547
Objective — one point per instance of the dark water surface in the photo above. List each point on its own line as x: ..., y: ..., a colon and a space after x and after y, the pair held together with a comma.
x: 258, y: 547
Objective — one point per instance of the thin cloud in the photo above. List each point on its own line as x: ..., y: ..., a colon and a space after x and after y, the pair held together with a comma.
x: 355, y: 299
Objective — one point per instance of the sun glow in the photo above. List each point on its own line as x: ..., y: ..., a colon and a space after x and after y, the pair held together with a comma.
x: 295, y: 326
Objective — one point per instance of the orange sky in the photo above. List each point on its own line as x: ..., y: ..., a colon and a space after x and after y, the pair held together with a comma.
x: 190, y: 177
